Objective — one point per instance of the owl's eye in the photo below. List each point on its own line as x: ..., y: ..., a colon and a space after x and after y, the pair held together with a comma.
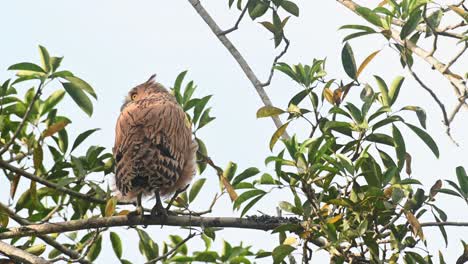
x: 134, y: 96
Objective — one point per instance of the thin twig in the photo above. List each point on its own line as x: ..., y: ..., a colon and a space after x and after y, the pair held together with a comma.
x: 49, y: 184
x: 25, y: 119
x: 236, y: 26
x: 276, y: 60
x: 457, y: 56
x: 181, y: 243
x: 238, y: 57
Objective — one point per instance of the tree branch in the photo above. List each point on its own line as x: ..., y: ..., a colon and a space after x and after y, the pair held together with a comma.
x: 236, y: 26
x: 69, y: 252
x: 259, y: 223
x: 237, y: 56
x: 20, y: 255
x: 49, y: 184
x: 444, y: 224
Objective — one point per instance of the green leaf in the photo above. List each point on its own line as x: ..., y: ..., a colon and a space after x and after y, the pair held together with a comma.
x: 81, y: 137
x: 462, y: 179
x: 45, y: 58
x: 280, y: 252
x: 420, y: 113
x: 116, y: 244
x: 26, y: 66
x: 426, y: 138
x: 380, y: 138
x: 55, y: 62
x: 95, y: 250
x: 400, y: 147
x: 258, y: 10
x: 147, y: 246
x: 395, y: 89
x: 369, y: 15
x: 267, y: 111
x: 359, y: 27
x: 383, y: 91
x: 290, y: 7
x: 277, y: 135
x: 52, y: 101
x: 196, y: 187
x: 252, y: 171
x: 251, y: 204
x: 79, y: 83
x: 347, y: 59
x: 433, y: 20
x: 80, y: 98
x: 355, y: 112
x: 411, y: 24
x: 246, y: 196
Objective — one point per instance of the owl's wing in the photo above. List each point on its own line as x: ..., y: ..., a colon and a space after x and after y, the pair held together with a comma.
x: 152, y: 142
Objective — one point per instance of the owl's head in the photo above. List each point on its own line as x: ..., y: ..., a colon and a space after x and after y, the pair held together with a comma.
x: 144, y: 90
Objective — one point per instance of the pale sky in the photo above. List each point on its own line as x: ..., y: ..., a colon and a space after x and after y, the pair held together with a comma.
x: 117, y: 44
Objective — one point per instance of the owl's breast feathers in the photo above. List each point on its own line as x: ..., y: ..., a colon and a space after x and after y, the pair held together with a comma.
x: 153, y: 147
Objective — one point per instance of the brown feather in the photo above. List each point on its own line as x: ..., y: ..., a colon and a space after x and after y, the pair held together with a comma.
x: 153, y: 146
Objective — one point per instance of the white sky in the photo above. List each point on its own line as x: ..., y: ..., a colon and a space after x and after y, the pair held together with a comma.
x: 117, y: 44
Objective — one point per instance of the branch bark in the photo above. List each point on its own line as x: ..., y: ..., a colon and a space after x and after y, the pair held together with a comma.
x: 265, y: 224
x: 51, y: 241
x: 237, y: 56
x: 20, y: 255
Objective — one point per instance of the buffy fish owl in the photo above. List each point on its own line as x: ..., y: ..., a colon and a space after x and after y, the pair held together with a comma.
x: 154, y: 150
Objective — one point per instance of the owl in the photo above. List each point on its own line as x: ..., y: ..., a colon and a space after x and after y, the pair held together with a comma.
x: 154, y: 150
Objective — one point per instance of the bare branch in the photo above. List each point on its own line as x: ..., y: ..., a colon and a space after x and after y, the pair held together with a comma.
x: 276, y: 60
x: 236, y: 26
x: 20, y: 255
x: 237, y: 56
x: 265, y: 223
x: 444, y: 224
x: 457, y: 56
x: 155, y: 260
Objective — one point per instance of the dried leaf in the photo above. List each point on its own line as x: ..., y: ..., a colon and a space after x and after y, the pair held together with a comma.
x: 110, y: 206
x: 337, y: 96
x: 416, y: 226
x: 232, y: 193
x: 435, y: 188
x: 334, y: 219
x: 328, y: 94
x: 408, y: 163
x: 366, y: 62
x: 54, y: 128
x: 14, y: 185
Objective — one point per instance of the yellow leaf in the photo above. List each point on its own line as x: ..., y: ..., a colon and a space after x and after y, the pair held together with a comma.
x: 414, y: 222
x: 388, y: 192
x: 124, y: 212
x: 291, y: 241
x: 328, y: 94
x: 337, y: 96
x: 110, y: 206
x: 460, y: 12
x: 334, y: 219
x: 232, y: 193
x: 366, y: 62
x: 277, y: 135
x: 384, y: 2
x: 54, y: 128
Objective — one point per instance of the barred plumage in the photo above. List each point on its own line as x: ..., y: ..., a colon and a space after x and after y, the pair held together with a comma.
x: 154, y: 150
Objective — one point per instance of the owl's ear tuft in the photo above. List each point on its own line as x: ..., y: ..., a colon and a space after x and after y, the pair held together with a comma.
x: 151, y: 79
